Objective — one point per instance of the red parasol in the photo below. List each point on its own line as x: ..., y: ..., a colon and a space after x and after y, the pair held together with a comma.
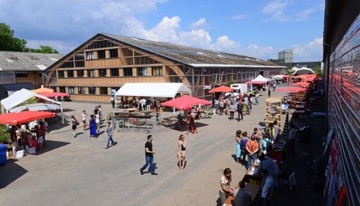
x: 54, y: 94
x: 221, y: 89
x: 185, y: 102
x: 24, y: 117
x: 290, y: 89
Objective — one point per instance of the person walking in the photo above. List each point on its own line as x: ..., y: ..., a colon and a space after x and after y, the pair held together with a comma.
x: 112, y: 100
x: 149, y: 157
x: 92, y: 125
x: 74, y: 123
x: 109, y: 131
x: 240, y: 108
x: 238, y: 145
x: 181, y: 148
x: 83, y: 118
x: 232, y: 109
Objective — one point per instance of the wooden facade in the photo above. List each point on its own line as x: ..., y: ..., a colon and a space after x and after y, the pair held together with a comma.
x: 103, y: 64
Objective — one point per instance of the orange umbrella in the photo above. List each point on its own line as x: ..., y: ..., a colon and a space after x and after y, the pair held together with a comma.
x: 43, y: 90
x: 221, y: 89
x: 55, y: 94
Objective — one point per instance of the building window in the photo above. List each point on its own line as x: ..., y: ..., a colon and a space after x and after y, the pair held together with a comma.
x: 62, y: 89
x: 80, y: 73
x: 81, y: 90
x: 128, y: 72
x: 91, y: 73
x: 61, y: 74
x: 114, y: 90
x: 89, y: 55
x: 114, y: 72
x: 71, y: 90
x: 92, y: 90
x: 101, y: 54
x: 141, y: 71
x: 102, y: 72
x: 70, y: 73
x: 113, y: 53
x: 156, y: 71
x: 103, y: 90
x: 21, y: 74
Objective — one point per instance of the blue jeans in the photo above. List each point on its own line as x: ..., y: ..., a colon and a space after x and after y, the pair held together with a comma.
x: 251, y: 159
x: 149, y: 161
x: 109, y: 139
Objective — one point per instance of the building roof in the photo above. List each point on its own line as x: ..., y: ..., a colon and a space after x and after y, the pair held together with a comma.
x: 193, y: 57
x: 24, y: 61
x: 152, y: 89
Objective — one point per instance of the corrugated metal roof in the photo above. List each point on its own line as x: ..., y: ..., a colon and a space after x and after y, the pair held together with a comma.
x: 24, y: 61
x: 188, y: 55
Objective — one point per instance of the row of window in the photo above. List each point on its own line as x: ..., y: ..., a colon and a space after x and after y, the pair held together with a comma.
x: 88, y: 90
x: 114, y: 72
x: 113, y: 53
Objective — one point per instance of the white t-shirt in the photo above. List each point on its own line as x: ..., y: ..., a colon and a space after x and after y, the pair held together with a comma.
x: 97, y: 118
x: 224, y: 180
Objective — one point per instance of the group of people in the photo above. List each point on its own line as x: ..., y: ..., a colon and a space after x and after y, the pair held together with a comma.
x: 250, y: 149
x: 242, y: 104
x: 259, y: 141
x: 137, y: 102
x: 96, y: 119
x: 30, y: 139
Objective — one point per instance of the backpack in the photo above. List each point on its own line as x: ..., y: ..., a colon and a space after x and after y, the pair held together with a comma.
x: 268, y: 145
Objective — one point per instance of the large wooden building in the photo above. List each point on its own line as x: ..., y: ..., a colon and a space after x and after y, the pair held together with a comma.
x: 105, y: 62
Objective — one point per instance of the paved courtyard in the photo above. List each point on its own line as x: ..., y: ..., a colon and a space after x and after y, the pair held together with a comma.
x: 80, y: 171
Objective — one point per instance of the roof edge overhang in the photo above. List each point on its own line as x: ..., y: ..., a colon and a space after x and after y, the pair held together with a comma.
x: 235, y: 65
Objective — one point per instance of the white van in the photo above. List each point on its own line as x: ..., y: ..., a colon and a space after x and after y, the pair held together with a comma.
x: 238, y: 89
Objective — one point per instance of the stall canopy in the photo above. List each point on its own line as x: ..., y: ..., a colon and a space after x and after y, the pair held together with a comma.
x: 24, y: 117
x: 21, y: 96
x: 152, y: 89
x: 221, y: 89
x: 185, y: 102
x: 259, y: 80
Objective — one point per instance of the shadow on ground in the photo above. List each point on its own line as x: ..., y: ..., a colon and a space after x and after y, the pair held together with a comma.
x: 10, y: 172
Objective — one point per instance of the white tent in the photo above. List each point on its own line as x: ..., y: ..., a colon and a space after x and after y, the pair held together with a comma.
x: 152, y: 89
x: 21, y: 96
x: 302, y: 70
x: 260, y: 78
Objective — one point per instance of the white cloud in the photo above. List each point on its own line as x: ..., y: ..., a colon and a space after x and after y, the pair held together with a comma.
x: 276, y: 10
x: 311, y: 51
x: 201, y: 23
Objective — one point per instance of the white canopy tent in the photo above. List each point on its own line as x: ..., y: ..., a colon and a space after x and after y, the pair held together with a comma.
x: 21, y: 96
x: 260, y: 78
x: 302, y: 70
x: 152, y: 89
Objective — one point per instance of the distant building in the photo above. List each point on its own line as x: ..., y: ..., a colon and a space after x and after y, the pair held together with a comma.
x: 286, y: 56
x: 105, y: 62
x: 23, y: 69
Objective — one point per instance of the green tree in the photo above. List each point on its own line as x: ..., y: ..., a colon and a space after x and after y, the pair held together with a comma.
x: 7, y: 40
x: 43, y: 49
x: 318, y: 71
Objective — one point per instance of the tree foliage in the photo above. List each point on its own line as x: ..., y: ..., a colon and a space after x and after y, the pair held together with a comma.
x: 43, y: 49
x: 8, y: 42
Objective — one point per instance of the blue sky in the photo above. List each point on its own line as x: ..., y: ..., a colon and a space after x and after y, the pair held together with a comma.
x: 255, y: 28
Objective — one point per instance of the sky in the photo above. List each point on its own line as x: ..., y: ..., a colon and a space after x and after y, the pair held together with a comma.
x: 255, y: 28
